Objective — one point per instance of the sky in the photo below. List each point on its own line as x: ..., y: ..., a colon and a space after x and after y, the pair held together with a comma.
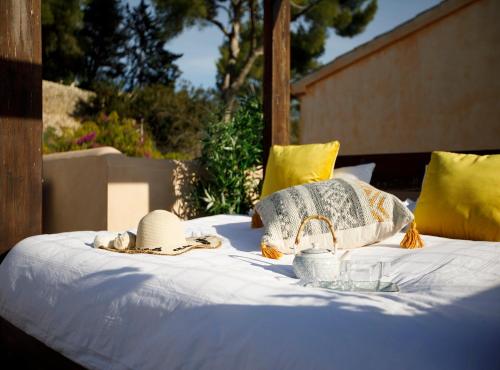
x: 200, y: 46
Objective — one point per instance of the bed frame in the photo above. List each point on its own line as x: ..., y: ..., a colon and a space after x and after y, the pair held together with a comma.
x: 400, y: 174
x: 29, y: 353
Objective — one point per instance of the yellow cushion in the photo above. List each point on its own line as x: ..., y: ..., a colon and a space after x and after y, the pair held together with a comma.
x: 292, y: 165
x: 460, y: 197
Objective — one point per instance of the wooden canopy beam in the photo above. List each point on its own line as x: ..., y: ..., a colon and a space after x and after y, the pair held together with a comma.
x: 20, y: 121
x: 276, y: 73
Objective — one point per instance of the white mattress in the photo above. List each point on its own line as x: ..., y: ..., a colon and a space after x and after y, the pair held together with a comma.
x: 230, y: 308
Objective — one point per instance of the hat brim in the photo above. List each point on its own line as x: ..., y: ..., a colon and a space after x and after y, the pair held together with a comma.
x: 198, y: 242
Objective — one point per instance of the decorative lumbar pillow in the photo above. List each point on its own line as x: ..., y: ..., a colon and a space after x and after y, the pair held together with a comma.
x: 360, y: 214
x: 361, y: 172
x: 292, y: 165
x: 460, y: 197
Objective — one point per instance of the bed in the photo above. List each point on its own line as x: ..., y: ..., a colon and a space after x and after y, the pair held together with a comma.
x: 231, y: 308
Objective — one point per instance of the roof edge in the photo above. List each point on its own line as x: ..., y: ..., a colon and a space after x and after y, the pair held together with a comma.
x: 420, y: 21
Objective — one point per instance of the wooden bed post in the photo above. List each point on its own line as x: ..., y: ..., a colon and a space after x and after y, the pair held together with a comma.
x: 276, y: 73
x: 20, y: 121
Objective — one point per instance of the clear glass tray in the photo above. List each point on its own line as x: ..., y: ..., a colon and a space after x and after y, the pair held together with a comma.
x: 358, y: 286
x: 380, y: 286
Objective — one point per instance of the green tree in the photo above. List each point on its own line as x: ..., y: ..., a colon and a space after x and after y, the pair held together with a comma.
x: 314, y: 18
x: 174, y: 117
x: 103, y: 39
x: 240, y: 22
x: 148, y: 61
x: 61, y: 51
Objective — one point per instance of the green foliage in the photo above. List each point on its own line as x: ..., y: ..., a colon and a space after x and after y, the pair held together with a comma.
x: 312, y: 20
x: 175, y: 118
x: 108, y: 98
x: 354, y: 17
x: 91, y: 41
x: 179, y: 14
x: 108, y: 130
x: 61, y: 50
x: 121, y: 55
x: 231, y: 153
x: 148, y: 61
x: 103, y: 39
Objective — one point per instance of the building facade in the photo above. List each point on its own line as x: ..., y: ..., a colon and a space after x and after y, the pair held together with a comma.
x: 432, y: 83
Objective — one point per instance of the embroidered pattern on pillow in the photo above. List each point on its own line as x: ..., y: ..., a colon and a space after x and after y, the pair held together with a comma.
x: 360, y: 214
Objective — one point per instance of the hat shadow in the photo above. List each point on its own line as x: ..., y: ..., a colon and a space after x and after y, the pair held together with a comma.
x: 281, y: 269
x: 241, y: 235
x: 245, y: 239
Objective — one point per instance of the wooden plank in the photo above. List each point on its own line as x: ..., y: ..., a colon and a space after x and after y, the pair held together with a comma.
x: 29, y: 353
x: 20, y: 121
x: 276, y: 73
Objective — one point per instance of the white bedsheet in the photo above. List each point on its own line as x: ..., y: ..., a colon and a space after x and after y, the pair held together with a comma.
x: 230, y: 308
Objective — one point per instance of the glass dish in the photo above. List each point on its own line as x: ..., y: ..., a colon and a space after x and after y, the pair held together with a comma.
x: 360, y: 276
x: 370, y: 286
x: 357, y: 286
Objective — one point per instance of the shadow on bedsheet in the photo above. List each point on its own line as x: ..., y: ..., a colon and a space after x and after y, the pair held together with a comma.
x: 347, y: 330
x: 282, y: 269
x: 104, y: 285
x: 241, y: 236
x: 246, y: 239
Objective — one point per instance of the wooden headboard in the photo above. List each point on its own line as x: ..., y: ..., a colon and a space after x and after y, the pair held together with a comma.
x: 399, y: 173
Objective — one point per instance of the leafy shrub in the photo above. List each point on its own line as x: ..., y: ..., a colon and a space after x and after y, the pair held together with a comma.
x: 108, y: 130
x: 231, y: 152
x: 174, y: 117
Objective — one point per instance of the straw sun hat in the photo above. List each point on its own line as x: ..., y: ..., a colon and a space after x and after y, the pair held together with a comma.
x: 162, y: 232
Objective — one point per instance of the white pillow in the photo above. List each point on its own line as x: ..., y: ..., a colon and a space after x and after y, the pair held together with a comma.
x: 410, y: 204
x: 362, y: 172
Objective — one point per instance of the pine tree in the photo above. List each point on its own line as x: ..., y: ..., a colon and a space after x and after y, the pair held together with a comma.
x: 148, y: 61
x: 61, y: 52
x: 104, y: 40
x: 241, y: 24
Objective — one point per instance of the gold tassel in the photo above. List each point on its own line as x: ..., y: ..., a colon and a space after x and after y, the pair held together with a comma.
x: 256, y: 221
x: 412, y: 237
x: 270, y: 252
